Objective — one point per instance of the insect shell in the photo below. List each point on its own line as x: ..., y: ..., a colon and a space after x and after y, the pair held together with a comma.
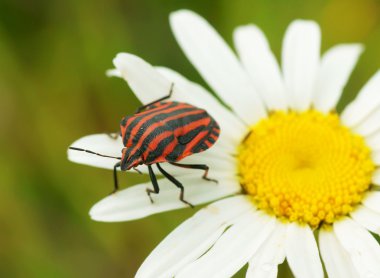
x: 166, y: 132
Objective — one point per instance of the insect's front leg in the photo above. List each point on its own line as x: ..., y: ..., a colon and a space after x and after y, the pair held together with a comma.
x: 156, y: 188
x: 116, y: 183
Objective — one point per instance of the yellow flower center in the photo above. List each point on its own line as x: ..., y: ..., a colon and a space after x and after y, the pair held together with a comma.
x: 304, y: 167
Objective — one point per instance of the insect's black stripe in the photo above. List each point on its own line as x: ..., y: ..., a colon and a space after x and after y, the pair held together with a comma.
x: 215, y: 132
x: 151, y: 121
x: 186, y: 138
x: 127, y: 159
x: 201, y: 146
x: 170, y: 126
x: 160, y: 147
x: 146, y: 117
x: 147, y: 113
x: 186, y: 119
x: 211, y: 140
x: 124, y: 120
x: 194, y: 128
x: 215, y: 128
x: 128, y: 152
x: 180, y: 148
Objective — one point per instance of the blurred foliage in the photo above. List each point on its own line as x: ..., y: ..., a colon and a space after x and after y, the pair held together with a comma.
x: 53, y: 55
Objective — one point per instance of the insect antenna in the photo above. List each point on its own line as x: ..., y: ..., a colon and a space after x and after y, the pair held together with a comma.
x: 91, y: 152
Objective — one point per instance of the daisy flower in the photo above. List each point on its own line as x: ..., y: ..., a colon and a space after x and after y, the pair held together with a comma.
x: 297, y: 180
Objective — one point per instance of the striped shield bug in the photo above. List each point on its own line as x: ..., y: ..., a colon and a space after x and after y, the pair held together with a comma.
x: 164, y: 131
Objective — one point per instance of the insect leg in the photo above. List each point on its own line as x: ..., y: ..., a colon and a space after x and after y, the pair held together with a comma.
x: 154, y: 183
x: 196, y: 166
x: 176, y: 183
x: 137, y: 170
x: 157, y: 100
x: 116, y: 183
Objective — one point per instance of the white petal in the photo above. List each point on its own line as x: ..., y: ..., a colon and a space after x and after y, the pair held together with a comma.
x: 376, y: 177
x: 192, y: 238
x: 337, y: 261
x: 361, y: 246
x: 264, y: 263
x: 370, y: 124
x: 373, y: 141
x: 233, y: 249
x: 300, y: 62
x: 367, y: 218
x: 372, y: 201
x: 365, y: 103
x: 376, y: 158
x: 144, y: 80
x: 133, y: 202
x: 302, y: 252
x: 336, y: 67
x: 259, y: 61
x: 217, y: 64
x: 231, y: 126
x: 99, y: 143
x: 114, y: 73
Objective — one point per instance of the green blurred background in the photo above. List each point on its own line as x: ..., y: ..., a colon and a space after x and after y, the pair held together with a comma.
x: 53, y: 90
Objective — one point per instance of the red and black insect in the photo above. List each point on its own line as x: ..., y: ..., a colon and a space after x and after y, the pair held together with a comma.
x: 164, y: 131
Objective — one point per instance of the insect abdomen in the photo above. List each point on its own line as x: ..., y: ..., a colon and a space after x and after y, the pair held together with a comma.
x: 196, y: 139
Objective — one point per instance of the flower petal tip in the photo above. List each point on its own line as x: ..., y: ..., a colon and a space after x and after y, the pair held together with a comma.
x: 246, y: 27
x: 184, y: 16
x: 113, y: 73
x: 182, y: 13
x: 119, y: 59
x: 101, y: 211
x: 354, y: 47
x: 304, y: 22
x: 305, y: 26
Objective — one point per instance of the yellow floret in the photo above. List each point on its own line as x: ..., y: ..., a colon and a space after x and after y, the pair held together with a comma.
x: 305, y: 167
